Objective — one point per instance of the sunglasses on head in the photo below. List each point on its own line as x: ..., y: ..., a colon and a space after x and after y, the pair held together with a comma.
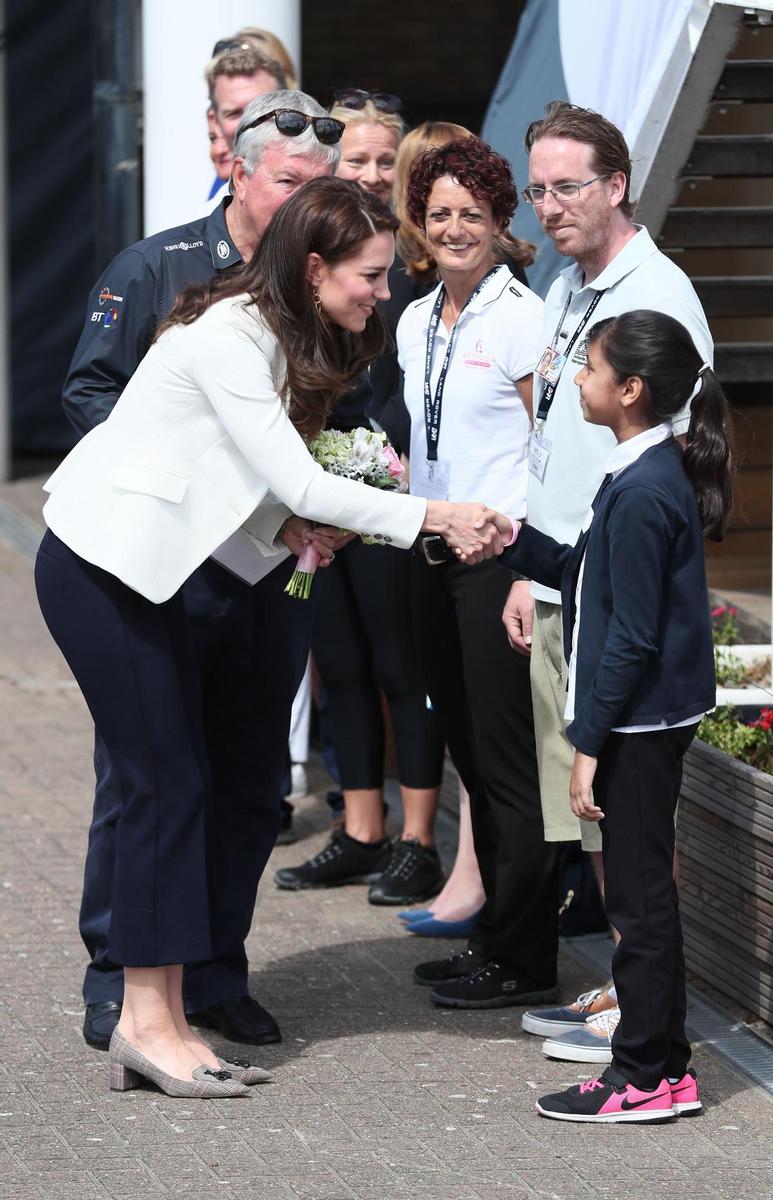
x: 357, y: 98
x: 229, y: 44
x: 291, y: 122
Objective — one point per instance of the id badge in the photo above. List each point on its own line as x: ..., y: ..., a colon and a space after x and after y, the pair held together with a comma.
x: 539, y: 455
x: 430, y: 479
x: 550, y: 365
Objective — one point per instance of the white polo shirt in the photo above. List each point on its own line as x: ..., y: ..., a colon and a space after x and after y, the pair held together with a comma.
x: 484, y: 426
x: 638, y: 277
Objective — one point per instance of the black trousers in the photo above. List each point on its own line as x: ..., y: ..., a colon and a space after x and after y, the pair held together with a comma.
x: 637, y: 785
x: 480, y: 690
x: 191, y: 702
x: 364, y: 644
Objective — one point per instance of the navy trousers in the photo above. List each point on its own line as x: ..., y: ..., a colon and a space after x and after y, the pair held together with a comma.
x: 218, y: 667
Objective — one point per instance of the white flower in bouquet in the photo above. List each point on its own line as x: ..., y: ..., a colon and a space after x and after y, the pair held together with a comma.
x: 361, y: 455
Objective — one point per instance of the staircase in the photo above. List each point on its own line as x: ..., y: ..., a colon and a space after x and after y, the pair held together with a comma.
x: 710, y: 197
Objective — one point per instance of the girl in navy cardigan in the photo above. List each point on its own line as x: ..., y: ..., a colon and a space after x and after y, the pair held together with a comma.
x: 637, y: 636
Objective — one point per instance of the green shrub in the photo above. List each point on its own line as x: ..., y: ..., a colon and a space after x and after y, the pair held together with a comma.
x: 751, y: 744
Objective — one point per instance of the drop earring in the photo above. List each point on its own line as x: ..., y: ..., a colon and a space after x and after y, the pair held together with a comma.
x: 317, y: 300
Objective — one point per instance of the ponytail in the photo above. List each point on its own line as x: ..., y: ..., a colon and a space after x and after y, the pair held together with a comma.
x: 659, y: 350
x: 708, y: 456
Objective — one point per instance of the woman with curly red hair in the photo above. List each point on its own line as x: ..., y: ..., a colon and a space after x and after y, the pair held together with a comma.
x: 468, y: 350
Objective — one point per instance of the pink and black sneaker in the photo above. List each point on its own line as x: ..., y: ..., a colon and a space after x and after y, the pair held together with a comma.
x: 609, y: 1098
x: 685, y: 1095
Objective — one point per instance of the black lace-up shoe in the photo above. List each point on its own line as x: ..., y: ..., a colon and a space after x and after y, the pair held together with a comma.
x: 343, y: 860
x: 413, y: 873
x: 443, y: 970
x: 493, y: 985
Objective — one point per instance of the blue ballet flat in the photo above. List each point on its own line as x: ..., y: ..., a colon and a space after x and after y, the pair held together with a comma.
x: 430, y: 927
x: 409, y: 915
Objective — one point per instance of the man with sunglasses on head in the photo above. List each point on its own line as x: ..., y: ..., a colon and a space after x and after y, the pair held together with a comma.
x: 252, y: 642
x: 236, y: 74
x: 579, y: 185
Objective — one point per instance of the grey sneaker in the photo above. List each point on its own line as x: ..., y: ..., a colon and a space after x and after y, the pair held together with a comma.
x: 592, y: 1042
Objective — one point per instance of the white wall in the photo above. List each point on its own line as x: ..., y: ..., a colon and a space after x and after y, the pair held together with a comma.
x: 177, y: 40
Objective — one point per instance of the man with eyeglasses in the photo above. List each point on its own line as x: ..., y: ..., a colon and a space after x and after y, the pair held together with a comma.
x: 579, y: 185
x: 252, y: 642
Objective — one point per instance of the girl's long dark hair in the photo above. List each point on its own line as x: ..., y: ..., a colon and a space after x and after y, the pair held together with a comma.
x: 660, y: 351
x: 329, y: 217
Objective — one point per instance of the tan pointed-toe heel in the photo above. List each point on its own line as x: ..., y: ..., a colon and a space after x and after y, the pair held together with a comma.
x: 123, y: 1078
x: 128, y: 1068
x: 243, y: 1070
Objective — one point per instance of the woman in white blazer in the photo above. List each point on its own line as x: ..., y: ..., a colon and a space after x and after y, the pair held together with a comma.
x: 206, y: 447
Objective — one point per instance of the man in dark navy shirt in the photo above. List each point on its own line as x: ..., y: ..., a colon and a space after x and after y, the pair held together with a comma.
x: 252, y: 643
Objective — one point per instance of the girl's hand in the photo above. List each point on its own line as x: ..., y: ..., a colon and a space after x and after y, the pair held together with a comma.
x: 580, y: 794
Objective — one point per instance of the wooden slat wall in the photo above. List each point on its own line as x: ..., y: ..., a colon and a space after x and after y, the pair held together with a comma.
x: 725, y: 839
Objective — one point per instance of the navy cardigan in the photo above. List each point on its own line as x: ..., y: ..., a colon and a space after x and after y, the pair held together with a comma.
x: 645, y: 649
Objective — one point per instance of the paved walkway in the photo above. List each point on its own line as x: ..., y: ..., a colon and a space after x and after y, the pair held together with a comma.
x: 376, y: 1095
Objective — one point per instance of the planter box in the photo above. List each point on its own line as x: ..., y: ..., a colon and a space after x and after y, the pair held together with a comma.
x: 749, y: 698
x: 725, y: 840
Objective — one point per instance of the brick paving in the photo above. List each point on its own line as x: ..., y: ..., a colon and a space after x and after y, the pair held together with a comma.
x: 376, y: 1095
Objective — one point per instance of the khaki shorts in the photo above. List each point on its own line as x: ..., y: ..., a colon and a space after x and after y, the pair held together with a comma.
x: 555, y: 753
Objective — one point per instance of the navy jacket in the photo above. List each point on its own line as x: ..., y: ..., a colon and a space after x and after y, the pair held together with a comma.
x: 645, y: 650
x: 129, y: 301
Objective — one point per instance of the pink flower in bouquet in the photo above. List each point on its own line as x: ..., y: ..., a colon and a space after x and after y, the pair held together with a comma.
x: 393, y: 464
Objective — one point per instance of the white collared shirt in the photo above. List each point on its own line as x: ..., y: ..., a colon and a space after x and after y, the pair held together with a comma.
x: 621, y: 456
x: 638, y: 277
x: 484, y: 426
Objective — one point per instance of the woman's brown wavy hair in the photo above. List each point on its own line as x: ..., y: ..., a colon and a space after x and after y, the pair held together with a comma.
x: 331, y: 218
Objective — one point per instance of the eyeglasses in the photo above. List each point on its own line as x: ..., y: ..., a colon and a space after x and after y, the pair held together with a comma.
x: 563, y: 191
x: 291, y: 122
x: 357, y: 98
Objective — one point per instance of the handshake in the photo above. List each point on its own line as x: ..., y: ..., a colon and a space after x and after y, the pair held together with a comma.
x: 473, y: 531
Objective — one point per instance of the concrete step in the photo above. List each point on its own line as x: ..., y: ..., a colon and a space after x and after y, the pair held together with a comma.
x: 730, y: 156
x: 735, y: 296
x: 744, y: 362
x: 686, y: 228
x: 746, y: 79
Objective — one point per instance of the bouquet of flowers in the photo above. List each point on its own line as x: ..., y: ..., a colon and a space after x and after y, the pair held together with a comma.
x: 362, y: 455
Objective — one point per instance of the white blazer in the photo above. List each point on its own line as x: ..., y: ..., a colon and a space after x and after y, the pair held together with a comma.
x: 199, y: 442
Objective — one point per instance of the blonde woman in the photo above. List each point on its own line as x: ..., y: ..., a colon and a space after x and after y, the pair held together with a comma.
x: 363, y: 640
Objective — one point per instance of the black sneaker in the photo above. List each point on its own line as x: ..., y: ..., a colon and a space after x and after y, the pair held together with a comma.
x: 442, y: 970
x: 413, y: 873
x: 493, y: 985
x: 343, y: 860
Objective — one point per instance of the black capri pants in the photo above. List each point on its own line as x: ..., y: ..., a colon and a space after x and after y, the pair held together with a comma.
x: 363, y: 644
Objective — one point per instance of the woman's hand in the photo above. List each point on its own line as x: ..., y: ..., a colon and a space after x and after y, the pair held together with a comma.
x: 470, y: 529
x: 299, y: 533
x: 580, y: 785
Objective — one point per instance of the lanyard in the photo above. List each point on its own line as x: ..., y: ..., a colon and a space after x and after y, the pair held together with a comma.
x: 549, y: 392
x: 433, y: 405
